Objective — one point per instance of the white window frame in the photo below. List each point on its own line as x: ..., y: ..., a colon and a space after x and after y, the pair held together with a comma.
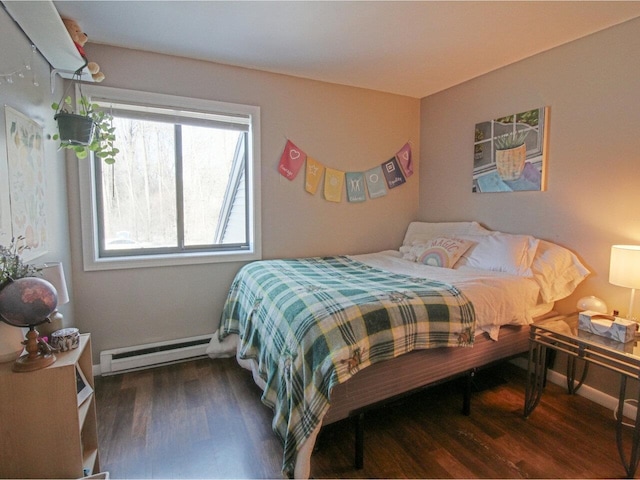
x: 88, y: 199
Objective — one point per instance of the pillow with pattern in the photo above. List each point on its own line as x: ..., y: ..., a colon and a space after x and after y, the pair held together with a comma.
x: 440, y: 251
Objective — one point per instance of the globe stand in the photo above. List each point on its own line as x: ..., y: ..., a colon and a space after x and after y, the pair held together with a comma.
x: 38, y: 356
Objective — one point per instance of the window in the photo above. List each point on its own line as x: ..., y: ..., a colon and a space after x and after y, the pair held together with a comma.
x: 184, y: 187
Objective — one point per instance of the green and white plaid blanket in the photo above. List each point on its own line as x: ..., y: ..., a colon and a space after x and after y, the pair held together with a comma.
x: 313, y: 323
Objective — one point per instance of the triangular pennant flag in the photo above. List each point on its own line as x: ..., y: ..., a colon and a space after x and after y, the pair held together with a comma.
x: 291, y: 160
x: 315, y: 172
x: 355, y: 187
x: 333, y: 184
x: 375, y: 182
x: 392, y: 173
x: 405, y: 160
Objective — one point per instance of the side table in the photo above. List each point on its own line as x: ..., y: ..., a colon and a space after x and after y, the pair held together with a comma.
x: 561, y: 334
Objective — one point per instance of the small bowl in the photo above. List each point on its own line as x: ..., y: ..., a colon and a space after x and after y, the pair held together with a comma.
x: 65, y: 339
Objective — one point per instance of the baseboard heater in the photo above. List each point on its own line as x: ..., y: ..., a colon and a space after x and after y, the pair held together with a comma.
x: 138, y: 357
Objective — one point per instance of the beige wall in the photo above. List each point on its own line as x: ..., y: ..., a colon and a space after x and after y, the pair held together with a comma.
x: 35, y: 102
x: 592, y: 87
x: 343, y: 127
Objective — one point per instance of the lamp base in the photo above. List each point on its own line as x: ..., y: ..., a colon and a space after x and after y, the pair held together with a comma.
x: 39, y: 354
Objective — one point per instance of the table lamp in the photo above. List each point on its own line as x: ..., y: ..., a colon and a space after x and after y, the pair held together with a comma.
x: 54, y: 274
x: 624, y: 270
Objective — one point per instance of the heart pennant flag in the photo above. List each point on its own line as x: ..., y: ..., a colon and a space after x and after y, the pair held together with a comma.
x: 291, y: 160
x: 405, y: 160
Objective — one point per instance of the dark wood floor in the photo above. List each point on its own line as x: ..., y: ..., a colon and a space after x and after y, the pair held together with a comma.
x: 204, y: 419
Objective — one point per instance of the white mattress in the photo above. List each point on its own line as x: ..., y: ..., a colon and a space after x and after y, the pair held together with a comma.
x: 498, y: 298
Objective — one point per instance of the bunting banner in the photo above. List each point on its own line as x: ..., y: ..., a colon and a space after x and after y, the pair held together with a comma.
x: 291, y: 160
x: 333, y: 184
x: 375, y: 181
x: 392, y: 173
x: 405, y: 160
x: 355, y: 187
x: 314, y: 174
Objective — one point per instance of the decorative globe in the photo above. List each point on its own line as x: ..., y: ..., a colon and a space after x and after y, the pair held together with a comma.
x: 27, y: 302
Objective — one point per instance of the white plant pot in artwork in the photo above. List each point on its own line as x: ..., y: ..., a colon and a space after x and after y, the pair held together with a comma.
x: 510, y: 163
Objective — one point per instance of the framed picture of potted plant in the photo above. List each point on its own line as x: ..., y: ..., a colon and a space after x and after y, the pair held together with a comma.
x: 510, y: 152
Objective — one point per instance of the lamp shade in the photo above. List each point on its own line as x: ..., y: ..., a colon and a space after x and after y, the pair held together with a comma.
x: 624, y: 269
x: 54, y: 274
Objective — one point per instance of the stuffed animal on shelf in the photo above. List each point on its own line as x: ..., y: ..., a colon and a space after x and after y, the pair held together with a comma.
x: 80, y: 38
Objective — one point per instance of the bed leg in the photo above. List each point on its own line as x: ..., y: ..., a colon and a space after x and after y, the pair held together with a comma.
x: 359, y: 457
x: 468, y: 387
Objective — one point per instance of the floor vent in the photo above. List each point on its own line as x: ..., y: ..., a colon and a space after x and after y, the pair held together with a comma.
x: 153, y: 354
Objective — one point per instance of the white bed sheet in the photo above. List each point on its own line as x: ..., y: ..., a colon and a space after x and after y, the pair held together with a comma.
x: 498, y: 298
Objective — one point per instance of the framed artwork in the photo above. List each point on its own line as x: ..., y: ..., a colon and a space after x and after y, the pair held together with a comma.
x: 26, y: 175
x: 5, y: 204
x: 509, y: 153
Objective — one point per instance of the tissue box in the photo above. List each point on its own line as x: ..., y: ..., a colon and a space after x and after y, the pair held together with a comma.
x: 619, y: 329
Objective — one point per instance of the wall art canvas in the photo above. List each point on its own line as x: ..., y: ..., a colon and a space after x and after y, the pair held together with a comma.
x: 5, y: 204
x: 510, y: 152
x: 26, y: 174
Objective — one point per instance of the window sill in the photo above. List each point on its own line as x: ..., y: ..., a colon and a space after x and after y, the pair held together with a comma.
x: 168, y: 260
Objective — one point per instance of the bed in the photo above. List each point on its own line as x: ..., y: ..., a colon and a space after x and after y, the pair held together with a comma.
x: 327, y: 337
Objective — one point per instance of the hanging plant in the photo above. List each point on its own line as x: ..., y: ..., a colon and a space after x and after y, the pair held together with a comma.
x: 88, y: 130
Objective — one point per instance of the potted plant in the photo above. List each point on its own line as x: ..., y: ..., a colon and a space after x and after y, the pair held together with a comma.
x: 12, y: 267
x: 90, y: 129
x: 511, y: 153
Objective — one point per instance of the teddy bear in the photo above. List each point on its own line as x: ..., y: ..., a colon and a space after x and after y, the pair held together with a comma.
x: 79, y: 39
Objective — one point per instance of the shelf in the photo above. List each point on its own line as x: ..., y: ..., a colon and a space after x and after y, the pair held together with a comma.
x: 89, y: 462
x: 41, y: 23
x: 43, y: 405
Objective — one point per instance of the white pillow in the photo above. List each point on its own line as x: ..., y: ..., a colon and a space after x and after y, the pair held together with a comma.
x: 502, y: 252
x: 438, y: 252
x: 557, y: 271
x: 425, y: 231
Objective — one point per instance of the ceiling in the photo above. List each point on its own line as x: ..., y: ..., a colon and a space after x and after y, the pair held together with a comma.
x: 413, y: 48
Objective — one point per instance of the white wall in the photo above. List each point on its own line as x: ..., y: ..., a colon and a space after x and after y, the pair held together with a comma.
x: 592, y: 87
x: 343, y: 127
x: 34, y: 102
